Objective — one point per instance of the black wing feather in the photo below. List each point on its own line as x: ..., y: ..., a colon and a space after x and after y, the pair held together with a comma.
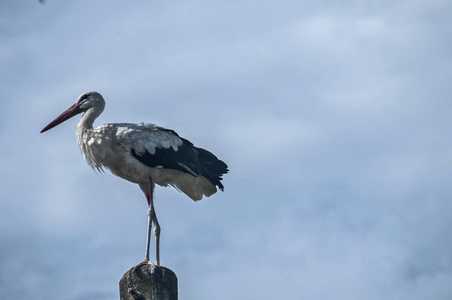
x: 188, y: 159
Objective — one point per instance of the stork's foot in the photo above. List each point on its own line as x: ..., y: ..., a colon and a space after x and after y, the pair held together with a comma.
x: 143, y: 263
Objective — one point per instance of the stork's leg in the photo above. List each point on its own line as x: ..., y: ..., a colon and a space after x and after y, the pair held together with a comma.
x: 150, y: 199
x: 148, y: 239
x: 151, y: 212
x: 152, y: 219
x: 156, y: 226
x: 147, y: 261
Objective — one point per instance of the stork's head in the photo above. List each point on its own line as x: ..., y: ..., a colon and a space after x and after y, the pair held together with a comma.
x: 89, y: 101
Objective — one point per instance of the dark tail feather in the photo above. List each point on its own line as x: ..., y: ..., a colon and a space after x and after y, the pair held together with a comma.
x: 213, y: 167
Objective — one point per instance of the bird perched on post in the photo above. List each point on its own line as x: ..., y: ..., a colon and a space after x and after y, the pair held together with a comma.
x: 145, y: 154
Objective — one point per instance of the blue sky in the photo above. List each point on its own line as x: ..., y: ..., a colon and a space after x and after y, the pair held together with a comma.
x: 333, y: 118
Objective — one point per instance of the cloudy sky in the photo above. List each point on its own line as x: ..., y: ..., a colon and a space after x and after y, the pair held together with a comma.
x: 334, y: 119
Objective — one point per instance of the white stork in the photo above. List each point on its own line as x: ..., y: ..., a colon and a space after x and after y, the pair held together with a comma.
x: 145, y: 154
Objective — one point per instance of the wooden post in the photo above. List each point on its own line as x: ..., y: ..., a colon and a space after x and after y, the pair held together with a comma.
x: 148, y: 283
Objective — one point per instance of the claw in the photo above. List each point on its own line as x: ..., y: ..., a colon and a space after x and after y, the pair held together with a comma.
x: 143, y: 263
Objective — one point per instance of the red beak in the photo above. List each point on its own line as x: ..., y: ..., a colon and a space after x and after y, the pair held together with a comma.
x: 69, y: 113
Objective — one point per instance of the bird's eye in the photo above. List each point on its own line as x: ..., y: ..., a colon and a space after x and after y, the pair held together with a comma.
x: 83, y: 101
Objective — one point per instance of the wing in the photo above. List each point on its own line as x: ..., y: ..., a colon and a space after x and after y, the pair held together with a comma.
x: 157, y: 147
x: 146, y: 137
